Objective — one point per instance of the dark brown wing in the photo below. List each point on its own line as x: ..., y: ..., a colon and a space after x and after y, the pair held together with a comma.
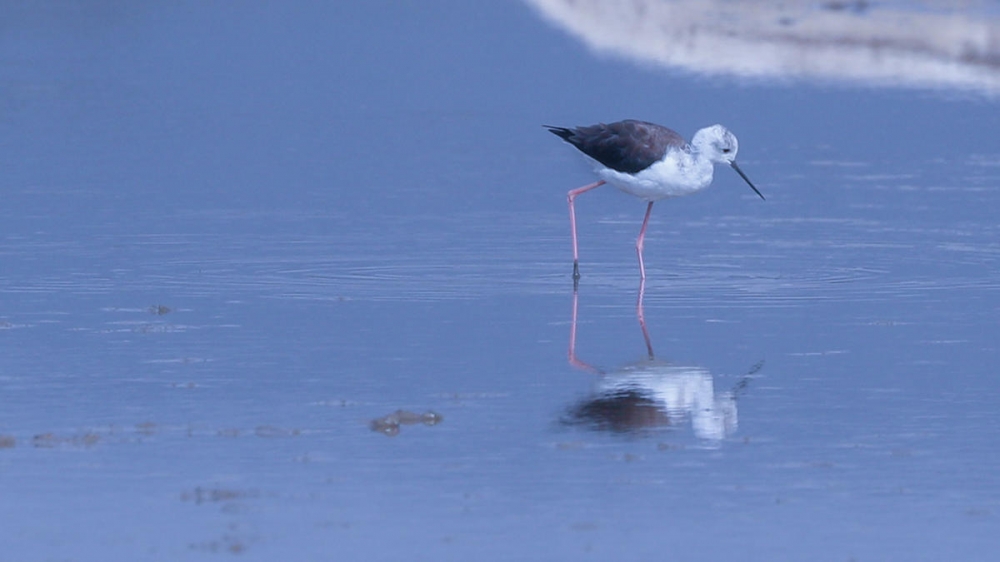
x: 626, y: 146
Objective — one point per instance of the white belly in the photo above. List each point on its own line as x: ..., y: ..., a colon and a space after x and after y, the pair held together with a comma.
x: 677, y: 174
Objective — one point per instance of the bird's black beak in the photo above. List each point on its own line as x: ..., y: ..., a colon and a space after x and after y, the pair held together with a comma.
x: 746, y: 179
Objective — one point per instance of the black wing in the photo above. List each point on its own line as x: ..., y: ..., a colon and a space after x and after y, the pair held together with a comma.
x: 626, y: 146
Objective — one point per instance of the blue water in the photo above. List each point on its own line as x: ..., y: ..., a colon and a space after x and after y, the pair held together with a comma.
x: 235, y: 236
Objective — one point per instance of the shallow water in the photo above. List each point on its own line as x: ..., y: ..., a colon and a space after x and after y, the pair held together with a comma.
x: 248, y: 257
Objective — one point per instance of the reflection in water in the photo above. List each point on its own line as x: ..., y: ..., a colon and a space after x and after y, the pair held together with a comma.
x: 654, y: 393
x: 927, y: 44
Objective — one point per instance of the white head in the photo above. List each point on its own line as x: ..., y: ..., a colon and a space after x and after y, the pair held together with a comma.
x: 717, y: 144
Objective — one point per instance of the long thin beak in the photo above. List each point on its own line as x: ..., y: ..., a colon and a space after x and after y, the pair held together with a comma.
x: 745, y: 178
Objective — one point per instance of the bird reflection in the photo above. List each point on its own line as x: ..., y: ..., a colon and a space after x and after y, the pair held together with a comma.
x: 653, y: 393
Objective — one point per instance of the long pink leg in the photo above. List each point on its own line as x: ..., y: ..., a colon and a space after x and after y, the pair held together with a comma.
x: 642, y: 318
x: 572, y: 222
x: 642, y: 236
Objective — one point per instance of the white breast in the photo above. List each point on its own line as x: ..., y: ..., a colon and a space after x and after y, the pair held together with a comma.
x: 679, y: 173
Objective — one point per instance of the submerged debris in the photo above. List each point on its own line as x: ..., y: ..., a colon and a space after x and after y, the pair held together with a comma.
x: 217, y: 494
x: 159, y: 309
x: 272, y: 431
x: 389, y: 425
x: 50, y: 440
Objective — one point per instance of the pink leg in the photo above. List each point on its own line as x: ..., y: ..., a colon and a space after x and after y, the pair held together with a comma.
x: 642, y: 236
x: 572, y: 222
x: 642, y: 318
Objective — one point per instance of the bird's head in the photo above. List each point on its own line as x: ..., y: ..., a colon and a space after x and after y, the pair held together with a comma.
x: 717, y: 144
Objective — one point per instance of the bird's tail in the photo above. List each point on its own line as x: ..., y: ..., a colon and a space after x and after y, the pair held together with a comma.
x: 561, y: 132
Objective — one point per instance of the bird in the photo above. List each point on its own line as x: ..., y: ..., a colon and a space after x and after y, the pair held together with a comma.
x: 650, y: 162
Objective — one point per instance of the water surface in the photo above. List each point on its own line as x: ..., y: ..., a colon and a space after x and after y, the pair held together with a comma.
x: 234, y: 239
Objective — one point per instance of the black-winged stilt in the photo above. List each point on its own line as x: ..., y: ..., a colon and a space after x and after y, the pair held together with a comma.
x: 650, y: 162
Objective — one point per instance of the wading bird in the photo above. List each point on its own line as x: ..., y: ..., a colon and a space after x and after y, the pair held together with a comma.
x: 650, y: 162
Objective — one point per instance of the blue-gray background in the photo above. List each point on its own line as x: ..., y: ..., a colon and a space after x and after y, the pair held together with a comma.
x: 351, y: 209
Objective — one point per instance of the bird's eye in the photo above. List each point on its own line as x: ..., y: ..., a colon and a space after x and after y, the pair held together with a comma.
x: 726, y: 150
